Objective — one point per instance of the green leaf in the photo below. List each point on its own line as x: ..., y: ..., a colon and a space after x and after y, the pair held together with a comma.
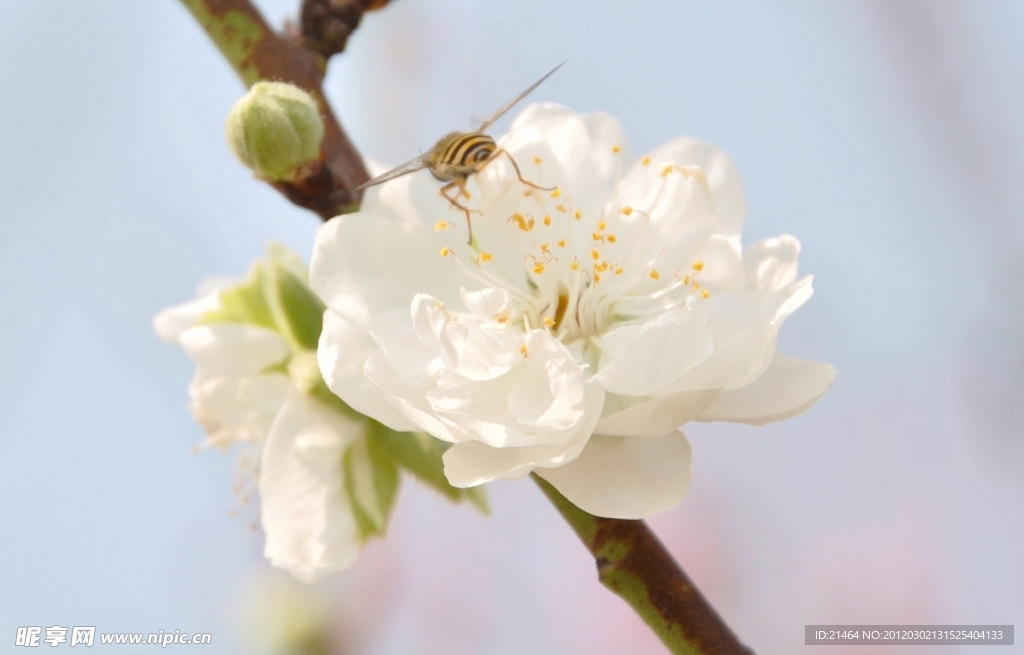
x: 420, y: 454
x: 371, y: 482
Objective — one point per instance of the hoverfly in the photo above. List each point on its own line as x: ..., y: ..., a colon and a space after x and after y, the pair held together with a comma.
x: 460, y: 154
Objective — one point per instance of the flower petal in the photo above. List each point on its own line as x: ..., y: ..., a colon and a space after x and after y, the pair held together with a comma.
x: 771, y: 264
x: 789, y: 387
x: 626, y: 477
x: 366, y: 263
x: 233, y: 349
x: 342, y: 354
x: 653, y: 416
x: 311, y: 532
x: 639, y: 360
x: 472, y: 463
x: 722, y: 175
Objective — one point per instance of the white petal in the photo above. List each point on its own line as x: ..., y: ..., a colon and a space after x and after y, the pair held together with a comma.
x: 624, y: 477
x: 233, y: 349
x: 472, y: 463
x: 652, y: 416
x: 469, y: 346
x: 342, y: 354
x: 366, y: 263
x: 722, y: 174
x: 789, y: 387
x: 771, y: 264
x: 234, y: 410
x: 639, y: 360
x: 172, y: 322
x: 311, y: 532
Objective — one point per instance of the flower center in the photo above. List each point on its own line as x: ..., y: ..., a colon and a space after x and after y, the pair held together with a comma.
x: 581, y: 272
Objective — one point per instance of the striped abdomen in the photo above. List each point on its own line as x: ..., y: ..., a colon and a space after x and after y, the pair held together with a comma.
x: 460, y: 154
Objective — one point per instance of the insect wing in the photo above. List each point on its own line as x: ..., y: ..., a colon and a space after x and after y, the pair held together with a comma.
x: 490, y: 120
x: 410, y: 166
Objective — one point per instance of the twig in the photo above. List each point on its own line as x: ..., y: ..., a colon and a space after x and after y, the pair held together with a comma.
x: 257, y: 53
x: 634, y: 565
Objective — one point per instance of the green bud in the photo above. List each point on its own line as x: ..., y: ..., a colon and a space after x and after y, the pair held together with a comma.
x: 275, y: 129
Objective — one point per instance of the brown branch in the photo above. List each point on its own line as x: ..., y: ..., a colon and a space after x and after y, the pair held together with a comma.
x: 634, y: 565
x: 257, y: 53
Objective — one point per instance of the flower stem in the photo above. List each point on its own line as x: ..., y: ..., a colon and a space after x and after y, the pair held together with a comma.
x: 635, y: 566
x: 257, y: 53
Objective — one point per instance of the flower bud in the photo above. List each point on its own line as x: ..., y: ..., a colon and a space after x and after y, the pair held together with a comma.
x: 275, y: 129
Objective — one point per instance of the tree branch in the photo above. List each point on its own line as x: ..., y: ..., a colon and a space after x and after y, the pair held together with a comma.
x: 257, y: 53
x: 634, y: 565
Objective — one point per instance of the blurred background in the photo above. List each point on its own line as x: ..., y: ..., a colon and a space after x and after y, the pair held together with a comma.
x: 887, y: 136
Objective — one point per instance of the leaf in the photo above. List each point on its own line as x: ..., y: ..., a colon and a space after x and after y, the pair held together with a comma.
x: 371, y: 483
x: 420, y: 454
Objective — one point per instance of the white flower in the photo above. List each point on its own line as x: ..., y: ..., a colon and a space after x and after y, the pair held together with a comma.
x: 582, y: 327
x: 250, y: 390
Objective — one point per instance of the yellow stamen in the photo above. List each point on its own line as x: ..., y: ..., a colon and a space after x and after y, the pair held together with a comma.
x: 611, y: 238
x: 595, y: 255
x: 601, y: 225
x: 547, y: 220
x: 616, y: 149
x: 524, y: 351
x: 698, y: 266
x: 441, y: 225
x: 538, y: 268
x: 575, y: 266
x: 548, y: 321
x: 560, y: 208
x: 597, y: 278
x: 627, y: 210
x: 705, y: 294
x: 654, y: 274
x: 445, y: 252
x: 537, y: 160
x: 646, y: 161
x: 556, y: 192
x: 530, y: 224
x: 485, y: 257
x: 619, y: 271
x: 598, y: 236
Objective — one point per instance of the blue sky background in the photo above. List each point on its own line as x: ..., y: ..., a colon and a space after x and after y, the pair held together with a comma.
x: 886, y: 136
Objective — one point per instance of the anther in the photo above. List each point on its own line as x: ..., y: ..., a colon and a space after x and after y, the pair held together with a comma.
x: 537, y: 160
x: 484, y: 257
x: 611, y: 238
x: 654, y: 274
x: 556, y: 192
x: 627, y: 210
x: 616, y: 149
x: 595, y: 255
x: 619, y: 271
x: 523, y: 351
x: 698, y: 266
x: 560, y: 208
x: 548, y: 321
x: 601, y: 225
x: 441, y: 225
x: 705, y: 294
x: 445, y: 252
x: 598, y: 236
x: 646, y: 161
x: 547, y: 220
x: 579, y: 214
x: 538, y: 268
x: 575, y: 266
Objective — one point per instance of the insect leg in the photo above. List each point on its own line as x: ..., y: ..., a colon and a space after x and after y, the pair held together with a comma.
x: 461, y: 184
x: 499, y: 151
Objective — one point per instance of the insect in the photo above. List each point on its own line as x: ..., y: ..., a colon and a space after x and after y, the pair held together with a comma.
x: 460, y: 154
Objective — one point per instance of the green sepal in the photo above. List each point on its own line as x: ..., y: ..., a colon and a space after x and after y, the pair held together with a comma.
x: 371, y: 483
x: 244, y: 303
x: 420, y: 455
x: 297, y: 312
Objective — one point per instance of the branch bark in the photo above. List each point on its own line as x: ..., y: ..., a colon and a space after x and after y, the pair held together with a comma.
x: 257, y: 53
x: 635, y: 566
